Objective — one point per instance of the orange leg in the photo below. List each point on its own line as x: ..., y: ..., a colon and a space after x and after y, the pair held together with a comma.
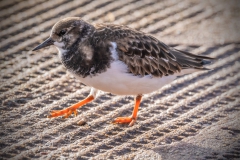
x: 72, y: 109
x: 131, y: 120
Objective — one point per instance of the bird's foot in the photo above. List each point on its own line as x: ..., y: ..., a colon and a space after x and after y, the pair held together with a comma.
x: 72, y: 109
x: 124, y: 120
x: 65, y: 112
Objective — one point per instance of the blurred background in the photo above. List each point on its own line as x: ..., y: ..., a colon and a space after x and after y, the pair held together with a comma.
x: 195, y: 117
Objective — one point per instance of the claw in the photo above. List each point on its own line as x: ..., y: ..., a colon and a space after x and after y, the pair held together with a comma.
x: 75, y: 113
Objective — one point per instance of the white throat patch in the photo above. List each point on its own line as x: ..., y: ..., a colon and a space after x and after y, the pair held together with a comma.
x: 59, y: 47
x: 57, y: 44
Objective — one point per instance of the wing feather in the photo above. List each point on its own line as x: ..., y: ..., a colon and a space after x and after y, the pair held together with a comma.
x: 145, y: 55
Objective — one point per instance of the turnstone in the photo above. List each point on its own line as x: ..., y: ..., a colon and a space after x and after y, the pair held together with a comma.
x: 117, y: 59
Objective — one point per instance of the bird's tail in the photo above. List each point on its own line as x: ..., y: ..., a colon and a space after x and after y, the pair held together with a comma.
x: 190, y: 62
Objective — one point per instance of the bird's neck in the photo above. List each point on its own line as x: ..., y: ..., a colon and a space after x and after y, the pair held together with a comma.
x: 75, y: 58
x: 85, y: 57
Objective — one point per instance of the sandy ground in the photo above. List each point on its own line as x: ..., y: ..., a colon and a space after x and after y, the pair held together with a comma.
x: 204, y: 145
x: 195, y: 117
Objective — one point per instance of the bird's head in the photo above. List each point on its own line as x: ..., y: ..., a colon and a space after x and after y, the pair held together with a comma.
x: 66, y: 32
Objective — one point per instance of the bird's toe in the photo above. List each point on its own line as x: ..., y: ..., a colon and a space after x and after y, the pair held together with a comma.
x: 124, y: 120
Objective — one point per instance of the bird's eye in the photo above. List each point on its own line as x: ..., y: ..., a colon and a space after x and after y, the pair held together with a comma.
x: 62, y: 32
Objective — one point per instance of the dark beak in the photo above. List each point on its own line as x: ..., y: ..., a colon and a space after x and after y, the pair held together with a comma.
x: 46, y: 43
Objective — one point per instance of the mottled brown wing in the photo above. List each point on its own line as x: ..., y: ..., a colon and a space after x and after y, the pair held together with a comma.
x: 145, y: 54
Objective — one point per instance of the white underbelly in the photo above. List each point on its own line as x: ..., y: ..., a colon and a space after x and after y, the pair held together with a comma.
x: 116, y: 80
